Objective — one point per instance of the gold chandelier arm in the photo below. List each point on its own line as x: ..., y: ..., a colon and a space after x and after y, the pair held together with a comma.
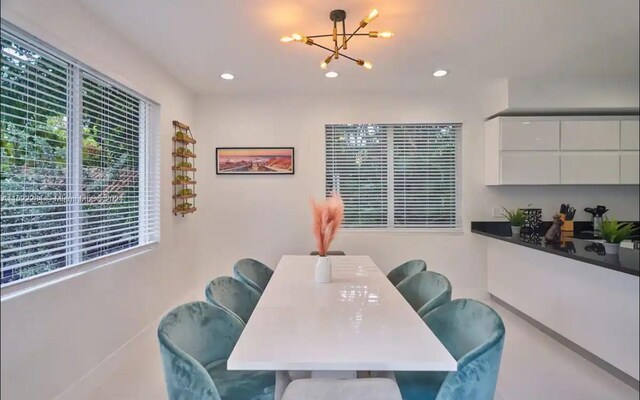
x: 332, y: 51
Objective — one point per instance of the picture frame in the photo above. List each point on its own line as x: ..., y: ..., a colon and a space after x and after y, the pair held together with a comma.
x: 255, y: 160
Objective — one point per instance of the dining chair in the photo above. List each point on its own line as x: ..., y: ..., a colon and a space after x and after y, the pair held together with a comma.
x: 474, y: 335
x: 342, y: 389
x: 425, y: 291
x: 233, y: 296
x: 405, y: 270
x: 253, y: 273
x: 196, y: 340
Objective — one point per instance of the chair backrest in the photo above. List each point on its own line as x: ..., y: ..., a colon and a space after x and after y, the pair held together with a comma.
x: 232, y: 296
x: 253, y: 273
x: 191, y: 337
x: 405, y: 270
x: 425, y: 291
x: 474, y: 335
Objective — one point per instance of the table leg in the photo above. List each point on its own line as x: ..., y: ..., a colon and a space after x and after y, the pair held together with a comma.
x: 282, y: 380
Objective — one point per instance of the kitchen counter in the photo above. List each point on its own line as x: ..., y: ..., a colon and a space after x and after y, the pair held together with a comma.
x: 588, y: 251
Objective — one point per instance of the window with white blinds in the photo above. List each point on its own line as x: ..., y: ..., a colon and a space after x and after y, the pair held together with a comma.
x: 395, y: 176
x: 79, y: 166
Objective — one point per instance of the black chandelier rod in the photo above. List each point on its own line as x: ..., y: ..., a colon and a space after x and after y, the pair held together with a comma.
x: 333, y: 51
x: 330, y: 35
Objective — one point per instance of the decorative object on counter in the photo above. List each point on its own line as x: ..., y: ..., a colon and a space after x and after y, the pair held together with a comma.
x: 532, y: 220
x: 516, y: 219
x: 327, y: 218
x: 596, y: 218
x: 614, y: 233
x: 555, y: 232
x: 184, y: 170
x: 254, y: 160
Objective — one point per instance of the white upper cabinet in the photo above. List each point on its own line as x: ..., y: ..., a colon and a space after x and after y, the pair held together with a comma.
x: 530, y: 168
x: 520, y: 134
x: 590, y: 135
x: 577, y: 150
x: 629, y: 169
x: 629, y: 135
x: 590, y: 168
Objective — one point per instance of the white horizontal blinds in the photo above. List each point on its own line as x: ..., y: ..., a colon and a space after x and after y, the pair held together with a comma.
x: 111, y: 121
x: 34, y: 102
x: 80, y: 168
x: 356, y: 167
x: 425, y: 171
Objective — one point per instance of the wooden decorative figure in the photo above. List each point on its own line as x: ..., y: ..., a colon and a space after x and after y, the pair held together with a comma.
x: 554, y: 233
x: 184, y: 170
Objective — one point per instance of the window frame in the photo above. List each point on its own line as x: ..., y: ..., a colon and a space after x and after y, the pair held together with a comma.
x: 453, y: 230
x: 148, y: 159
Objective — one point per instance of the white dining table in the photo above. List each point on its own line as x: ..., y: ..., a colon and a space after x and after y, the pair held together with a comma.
x: 357, y: 322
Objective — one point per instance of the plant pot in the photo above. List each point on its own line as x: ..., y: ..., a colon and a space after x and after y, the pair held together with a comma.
x: 323, y: 270
x: 515, y: 230
x: 611, y: 248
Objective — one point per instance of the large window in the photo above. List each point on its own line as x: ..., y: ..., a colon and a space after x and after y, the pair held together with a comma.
x: 398, y: 176
x: 79, y: 173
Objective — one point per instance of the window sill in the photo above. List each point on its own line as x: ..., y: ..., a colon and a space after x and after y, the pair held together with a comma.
x: 19, y: 288
x: 448, y: 231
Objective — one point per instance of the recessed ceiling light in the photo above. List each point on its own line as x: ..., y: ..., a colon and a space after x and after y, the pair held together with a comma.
x: 227, y: 76
x: 440, y: 73
x: 331, y: 74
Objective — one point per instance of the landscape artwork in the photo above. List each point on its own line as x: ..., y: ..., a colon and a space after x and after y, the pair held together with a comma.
x: 254, y: 160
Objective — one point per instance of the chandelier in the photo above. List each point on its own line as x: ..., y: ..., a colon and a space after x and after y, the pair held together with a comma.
x: 340, y: 40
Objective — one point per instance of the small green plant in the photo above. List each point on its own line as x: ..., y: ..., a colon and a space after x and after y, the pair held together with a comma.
x: 615, y: 232
x: 515, y: 217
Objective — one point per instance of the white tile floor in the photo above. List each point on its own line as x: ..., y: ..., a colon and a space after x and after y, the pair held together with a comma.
x: 534, y: 366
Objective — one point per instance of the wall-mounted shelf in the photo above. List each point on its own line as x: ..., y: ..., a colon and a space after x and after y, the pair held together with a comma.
x: 183, y: 212
x: 183, y: 149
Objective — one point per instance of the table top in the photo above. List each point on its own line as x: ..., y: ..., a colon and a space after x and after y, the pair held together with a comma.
x: 357, y: 322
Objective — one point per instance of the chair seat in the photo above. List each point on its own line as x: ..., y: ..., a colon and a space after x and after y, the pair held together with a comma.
x: 242, y: 385
x: 420, y: 385
x: 347, y: 389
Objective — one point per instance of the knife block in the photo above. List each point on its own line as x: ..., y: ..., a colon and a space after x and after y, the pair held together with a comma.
x: 567, y: 226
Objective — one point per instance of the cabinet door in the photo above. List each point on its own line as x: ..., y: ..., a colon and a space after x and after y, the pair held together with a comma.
x: 530, y: 168
x: 519, y: 134
x: 630, y: 135
x: 590, y: 168
x: 590, y: 135
x: 629, y: 169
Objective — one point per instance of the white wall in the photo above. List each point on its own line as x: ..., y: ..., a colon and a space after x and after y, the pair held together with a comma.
x: 598, y: 91
x: 266, y: 216
x: 53, y: 336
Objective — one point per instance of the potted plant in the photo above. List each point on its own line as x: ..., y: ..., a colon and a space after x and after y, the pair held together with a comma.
x: 614, y: 233
x: 516, y: 219
x: 327, y: 218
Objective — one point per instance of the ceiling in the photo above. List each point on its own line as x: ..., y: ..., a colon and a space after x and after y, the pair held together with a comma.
x: 478, y: 41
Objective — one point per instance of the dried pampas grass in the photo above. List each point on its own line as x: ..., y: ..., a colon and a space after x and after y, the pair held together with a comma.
x: 327, y: 218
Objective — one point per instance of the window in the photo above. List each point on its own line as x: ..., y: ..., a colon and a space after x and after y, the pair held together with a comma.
x: 398, y: 176
x: 79, y: 165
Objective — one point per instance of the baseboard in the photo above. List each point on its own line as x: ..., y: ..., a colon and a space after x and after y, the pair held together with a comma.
x: 94, y: 378
x: 470, y: 293
x: 581, y: 351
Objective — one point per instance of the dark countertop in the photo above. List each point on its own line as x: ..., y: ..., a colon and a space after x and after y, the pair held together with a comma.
x: 627, y: 261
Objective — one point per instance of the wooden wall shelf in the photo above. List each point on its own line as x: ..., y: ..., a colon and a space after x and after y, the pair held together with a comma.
x: 183, y: 141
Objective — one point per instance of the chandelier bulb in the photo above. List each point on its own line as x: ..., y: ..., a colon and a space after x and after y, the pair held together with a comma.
x: 373, y: 14
x: 286, y: 39
x: 365, y: 64
x: 383, y: 35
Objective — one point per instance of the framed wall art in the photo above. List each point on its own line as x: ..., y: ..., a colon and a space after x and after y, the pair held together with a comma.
x: 255, y: 160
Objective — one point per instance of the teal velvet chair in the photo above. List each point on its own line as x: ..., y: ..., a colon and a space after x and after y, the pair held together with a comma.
x: 474, y: 335
x: 425, y: 291
x: 253, y: 273
x: 233, y: 296
x: 196, y: 340
x: 405, y: 270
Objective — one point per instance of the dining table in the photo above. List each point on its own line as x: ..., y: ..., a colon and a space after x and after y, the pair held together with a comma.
x: 357, y: 322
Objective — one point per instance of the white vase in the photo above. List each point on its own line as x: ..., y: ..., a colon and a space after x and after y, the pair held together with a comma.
x: 515, y: 230
x: 323, y: 270
x: 611, y: 248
